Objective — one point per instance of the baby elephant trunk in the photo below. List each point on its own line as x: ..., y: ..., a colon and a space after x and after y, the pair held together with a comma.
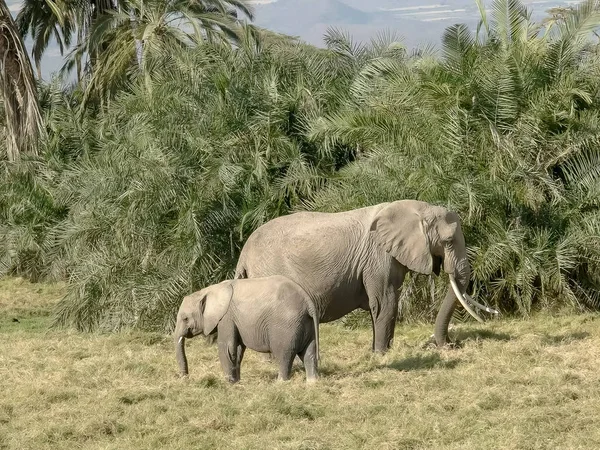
x: 181, y: 358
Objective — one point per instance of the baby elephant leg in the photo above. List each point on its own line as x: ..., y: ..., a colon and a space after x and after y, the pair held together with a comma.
x: 309, y: 359
x: 230, y: 355
x: 286, y: 361
x: 240, y: 355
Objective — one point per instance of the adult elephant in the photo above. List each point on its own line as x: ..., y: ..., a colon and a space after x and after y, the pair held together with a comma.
x: 358, y: 259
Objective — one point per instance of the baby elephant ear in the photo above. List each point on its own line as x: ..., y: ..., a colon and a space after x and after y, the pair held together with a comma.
x: 401, y: 231
x: 215, y: 305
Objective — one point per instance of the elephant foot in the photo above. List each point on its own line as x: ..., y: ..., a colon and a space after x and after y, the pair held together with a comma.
x: 431, y: 344
x: 382, y: 349
x: 454, y: 345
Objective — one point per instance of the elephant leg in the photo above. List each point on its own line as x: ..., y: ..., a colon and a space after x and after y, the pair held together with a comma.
x: 229, y: 350
x: 285, y: 366
x: 383, y: 306
x: 384, y: 322
x: 211, y: 338
x: 228, y: 356
x: 309, y: 359
x: 240, y: 355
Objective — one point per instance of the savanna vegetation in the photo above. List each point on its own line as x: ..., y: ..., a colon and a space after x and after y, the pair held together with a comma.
x: 514, y: 384
x: 185, y: 127
x: 178, y: 128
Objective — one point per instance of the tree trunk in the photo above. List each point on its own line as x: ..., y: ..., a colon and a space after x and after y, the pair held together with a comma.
x: 78, y: 65
x: 138, y: 43
x: 18, y: 90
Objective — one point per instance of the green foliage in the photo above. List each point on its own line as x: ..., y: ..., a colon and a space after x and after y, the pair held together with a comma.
x: 27, y: 216
x: 189, y: 162
x: 502, y: 135
x: 151, y: 194
x: 37, y: 20
x: 140, y: 30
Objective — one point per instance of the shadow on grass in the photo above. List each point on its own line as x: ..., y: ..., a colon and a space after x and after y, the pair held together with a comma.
x: 565, y: 338
x: 408, y: 364
x: 466, y: 335
x: 463, y: 336
x: 422, y: 362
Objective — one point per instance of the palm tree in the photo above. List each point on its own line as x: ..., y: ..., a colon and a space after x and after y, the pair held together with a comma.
x: 502, y: 129
x: 193, y: 159
x: 38, y: 19
x: 93, y: 24
x: 155, y: 192
x: 140, y: 30
x: 18, y: 90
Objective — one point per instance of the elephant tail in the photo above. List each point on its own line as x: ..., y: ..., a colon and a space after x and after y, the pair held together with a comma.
x: 315, y: 317
x: 316, y: 323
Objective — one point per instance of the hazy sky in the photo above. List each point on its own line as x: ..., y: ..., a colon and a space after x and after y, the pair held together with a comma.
x: 417, y: 22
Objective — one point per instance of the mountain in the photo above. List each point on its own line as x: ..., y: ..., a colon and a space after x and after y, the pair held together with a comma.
x: 296, y: 13
x: 309, y: 20
x: 418, y: 22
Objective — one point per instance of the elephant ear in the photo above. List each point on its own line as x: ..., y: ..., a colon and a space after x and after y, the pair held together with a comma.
x: 215, y: 305
x: 401, y: 231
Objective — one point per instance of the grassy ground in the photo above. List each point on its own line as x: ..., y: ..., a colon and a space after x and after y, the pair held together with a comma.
x: 513, y: 385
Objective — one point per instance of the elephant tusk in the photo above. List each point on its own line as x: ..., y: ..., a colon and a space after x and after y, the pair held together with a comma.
x: 480, y: 306
x: 462, y: 300
x: 180, y: 339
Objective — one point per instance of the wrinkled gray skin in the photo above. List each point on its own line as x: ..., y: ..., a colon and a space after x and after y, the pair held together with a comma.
x: 358, y: 259
x: 270, y: 315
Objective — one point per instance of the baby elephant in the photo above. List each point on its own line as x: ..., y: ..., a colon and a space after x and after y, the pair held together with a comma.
x: 271, y: 314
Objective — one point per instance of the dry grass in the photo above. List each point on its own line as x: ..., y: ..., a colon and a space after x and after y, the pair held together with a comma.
x: 513, y: 385
x: 23, y: 299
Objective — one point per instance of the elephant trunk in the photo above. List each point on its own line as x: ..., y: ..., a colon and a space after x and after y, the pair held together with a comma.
x: 180, y: 352
x: 461, y: 281
x: 443, y: 318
